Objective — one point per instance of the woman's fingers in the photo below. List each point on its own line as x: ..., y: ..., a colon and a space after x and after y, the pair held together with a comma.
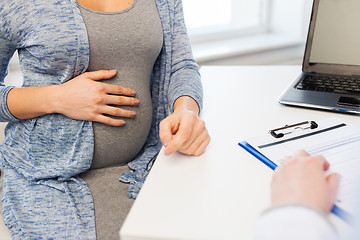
x: 117, y: 112
x: 85, y: 98
x: 197, y: 136
x: 198, y: 146
x: 109, y: 121
x: 121, y: 100
x: 202, y: 147
x: 100, y: 75
x: 109, y: 88
x: 113, y: 95
x: 118, y: 90
x: 184, y: 132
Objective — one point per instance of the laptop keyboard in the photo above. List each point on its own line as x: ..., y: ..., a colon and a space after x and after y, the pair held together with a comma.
x: 342, y: 85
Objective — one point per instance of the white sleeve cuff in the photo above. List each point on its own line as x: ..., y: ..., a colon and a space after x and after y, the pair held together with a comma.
x: 294, y: 222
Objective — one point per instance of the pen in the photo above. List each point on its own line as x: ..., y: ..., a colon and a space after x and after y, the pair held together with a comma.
x: 258, y: 155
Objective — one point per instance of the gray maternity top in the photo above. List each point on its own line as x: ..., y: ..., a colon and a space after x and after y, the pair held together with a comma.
x: 129, y: 41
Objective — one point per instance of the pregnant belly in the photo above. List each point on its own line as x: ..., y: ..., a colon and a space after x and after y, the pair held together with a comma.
x: 120, y: 145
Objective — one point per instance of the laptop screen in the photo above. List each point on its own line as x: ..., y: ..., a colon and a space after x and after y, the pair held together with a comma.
x: 337, y: 33
x: 334, y: 37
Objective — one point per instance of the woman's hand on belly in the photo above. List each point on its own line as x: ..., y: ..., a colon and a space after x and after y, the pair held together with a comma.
x: 84, y: 98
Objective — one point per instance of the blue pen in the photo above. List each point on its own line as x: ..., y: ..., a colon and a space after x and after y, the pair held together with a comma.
x: 258, y: 155
x: 347, y: 217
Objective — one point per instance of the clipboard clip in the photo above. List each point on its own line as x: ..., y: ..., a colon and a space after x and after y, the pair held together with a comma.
x: 287, y: 129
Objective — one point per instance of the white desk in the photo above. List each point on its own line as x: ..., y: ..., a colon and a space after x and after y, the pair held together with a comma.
x: 220, y: 194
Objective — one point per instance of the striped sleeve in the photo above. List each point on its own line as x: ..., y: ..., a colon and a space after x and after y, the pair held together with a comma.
x: 7, y: 51
x: 185, y: 77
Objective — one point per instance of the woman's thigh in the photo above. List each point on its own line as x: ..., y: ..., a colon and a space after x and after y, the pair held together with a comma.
x: 111, y: 202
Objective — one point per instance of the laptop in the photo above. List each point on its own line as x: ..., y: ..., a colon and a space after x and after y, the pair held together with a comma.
x: 330, y: 77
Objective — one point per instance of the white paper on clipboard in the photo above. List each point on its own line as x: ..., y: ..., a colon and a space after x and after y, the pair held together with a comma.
x: 337, y: 141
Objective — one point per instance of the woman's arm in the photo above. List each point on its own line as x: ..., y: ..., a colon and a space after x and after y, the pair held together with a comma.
x: 183, y: 130
x: 82, y: 98
x: 186, y: 103
x: 185, y: 77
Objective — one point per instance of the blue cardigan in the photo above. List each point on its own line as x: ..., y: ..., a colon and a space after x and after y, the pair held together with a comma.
x: 43, y: 197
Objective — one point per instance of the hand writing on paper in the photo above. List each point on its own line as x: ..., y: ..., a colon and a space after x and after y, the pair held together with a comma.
x: 301, y: 179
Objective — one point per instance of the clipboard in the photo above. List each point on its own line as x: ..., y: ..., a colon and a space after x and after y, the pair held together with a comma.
x: 327, y: 137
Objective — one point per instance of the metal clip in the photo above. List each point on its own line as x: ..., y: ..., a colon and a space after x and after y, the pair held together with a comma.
x: 279, y: 132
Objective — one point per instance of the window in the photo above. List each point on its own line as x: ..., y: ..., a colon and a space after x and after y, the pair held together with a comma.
x: 208, y: 18
x: 235, y: 28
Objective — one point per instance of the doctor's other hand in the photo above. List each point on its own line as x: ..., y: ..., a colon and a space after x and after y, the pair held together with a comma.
x: 301, y: 179
x: 183, y: 131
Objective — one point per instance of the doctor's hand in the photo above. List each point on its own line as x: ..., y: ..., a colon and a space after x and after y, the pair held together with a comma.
x: 183, y: 130
x: 301, y: 179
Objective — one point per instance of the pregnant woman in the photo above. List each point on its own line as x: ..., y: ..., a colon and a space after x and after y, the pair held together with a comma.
x: 99, y: 77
